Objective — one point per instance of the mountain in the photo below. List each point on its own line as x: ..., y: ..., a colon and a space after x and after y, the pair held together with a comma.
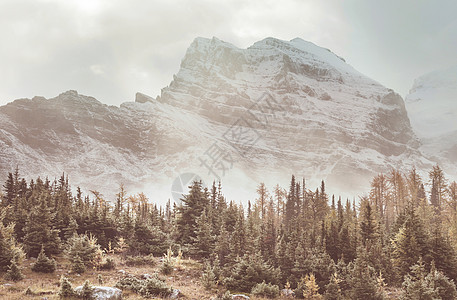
x: 432, y: 108
x: 239, y: 115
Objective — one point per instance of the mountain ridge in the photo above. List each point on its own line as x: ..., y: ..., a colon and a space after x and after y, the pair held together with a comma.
x: 309, y: 112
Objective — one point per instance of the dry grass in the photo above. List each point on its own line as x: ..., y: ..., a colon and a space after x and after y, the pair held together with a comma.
x: 185, y: 277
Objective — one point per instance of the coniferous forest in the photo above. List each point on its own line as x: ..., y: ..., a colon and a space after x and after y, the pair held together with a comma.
x: 398, y: 241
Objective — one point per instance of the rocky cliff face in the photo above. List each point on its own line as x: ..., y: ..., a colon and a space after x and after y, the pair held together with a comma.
x: 241, y: 115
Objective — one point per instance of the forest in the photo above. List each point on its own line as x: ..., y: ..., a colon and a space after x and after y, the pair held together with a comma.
x: 398, y: 241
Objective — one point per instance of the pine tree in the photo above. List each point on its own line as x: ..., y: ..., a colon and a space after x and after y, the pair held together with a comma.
x: 410, y: 243
x: 311, y: 292
x: 364, y: 283
x: 332, y: 290
x: 44, y: 264
x: 438, y: 192
x: 442, y: 253
x: 420, y: 285
x: 66, y: 290
x: 14, y: 273
x: 6, y: 255
x: 10, y: 190
x: 204, y: 240
x: 292, y: 204
x: 368, y: 224
x: 38, y: 231
x: 192, y: 207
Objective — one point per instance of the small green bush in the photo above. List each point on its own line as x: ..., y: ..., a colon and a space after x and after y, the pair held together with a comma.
x: 87, y: 292
x: 14, y: 273
x: 208, y: 278
x: 167, y: 267
x: 140, y: 260
x: 155, y: 287
x: 248, y: 271
x: 44, y: 264
x: 225, y: 296
x: 78, y: 266
x: 151, y: 287
x: 82, y: 251
x: 66, y: 290
x: 267, y: 290
x: 108, y: 264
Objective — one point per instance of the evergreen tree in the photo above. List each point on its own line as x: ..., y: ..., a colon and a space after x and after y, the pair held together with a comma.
x: 368, y: 224
x: 10, y: 190
x: 434, y: 285
x: 44, y: 264
x: 204, y: 240
x: 14, y: 273
x: 38, y: 231
x: 332, y: 290
x: 410, y: 243
x: 192, y: 207
x: 364, y: 284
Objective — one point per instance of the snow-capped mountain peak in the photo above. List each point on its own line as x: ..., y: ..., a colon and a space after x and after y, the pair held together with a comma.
x: 238, y: 115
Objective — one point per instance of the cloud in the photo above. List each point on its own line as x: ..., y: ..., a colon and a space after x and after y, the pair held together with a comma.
x: 110, y: 49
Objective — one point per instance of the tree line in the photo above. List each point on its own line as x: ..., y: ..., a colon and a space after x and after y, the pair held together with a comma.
x: 400, y: 236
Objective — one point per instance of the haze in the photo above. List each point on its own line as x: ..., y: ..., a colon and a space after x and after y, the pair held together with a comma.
x: 112, y: 49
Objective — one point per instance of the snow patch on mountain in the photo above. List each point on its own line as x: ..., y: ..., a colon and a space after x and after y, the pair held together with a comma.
x: 432, y: 108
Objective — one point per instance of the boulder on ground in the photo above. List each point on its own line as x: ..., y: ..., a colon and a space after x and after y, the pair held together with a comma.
x: 103, y: 292
x: 175, y: 294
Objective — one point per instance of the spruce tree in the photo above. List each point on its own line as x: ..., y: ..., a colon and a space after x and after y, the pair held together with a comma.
x: 38, y: 231
x: 410, y: 243
x: 44, y: 264
x: 14, y: 273
x: 203, y: 243
x: 364, y: 284
x: 192, y: 207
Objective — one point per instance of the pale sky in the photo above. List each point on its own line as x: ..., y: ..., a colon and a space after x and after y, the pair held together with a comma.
x: 111, y: 49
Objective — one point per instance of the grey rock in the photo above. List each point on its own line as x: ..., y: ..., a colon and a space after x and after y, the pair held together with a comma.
x: 103, y: 292
x: 175, y: 294
x: 240, y: 297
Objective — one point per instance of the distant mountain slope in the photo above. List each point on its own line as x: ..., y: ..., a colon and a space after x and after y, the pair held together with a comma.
x: 432, y: 107
x: 241, y: 115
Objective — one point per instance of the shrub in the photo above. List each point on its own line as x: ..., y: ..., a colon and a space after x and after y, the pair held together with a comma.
x: 150, y: 287
x: 140, y: 260
x: 77, y: 266
x: 208, y: 278
x: 107, y: 264
x: 66, y: 290
x: 155, y: 287
x: 147, y: 240
x: 248, y: 271
x: 14, y: 273
x: 434, y: 285
x: 87, y: 291
x: 130, y: 283
x: 168, y: 264
x: 267, y: 290
x: 29, y: 292
x: 82, y: 251
x: 44, y: 264
x: 100, y: 279
x: 225, y: 296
